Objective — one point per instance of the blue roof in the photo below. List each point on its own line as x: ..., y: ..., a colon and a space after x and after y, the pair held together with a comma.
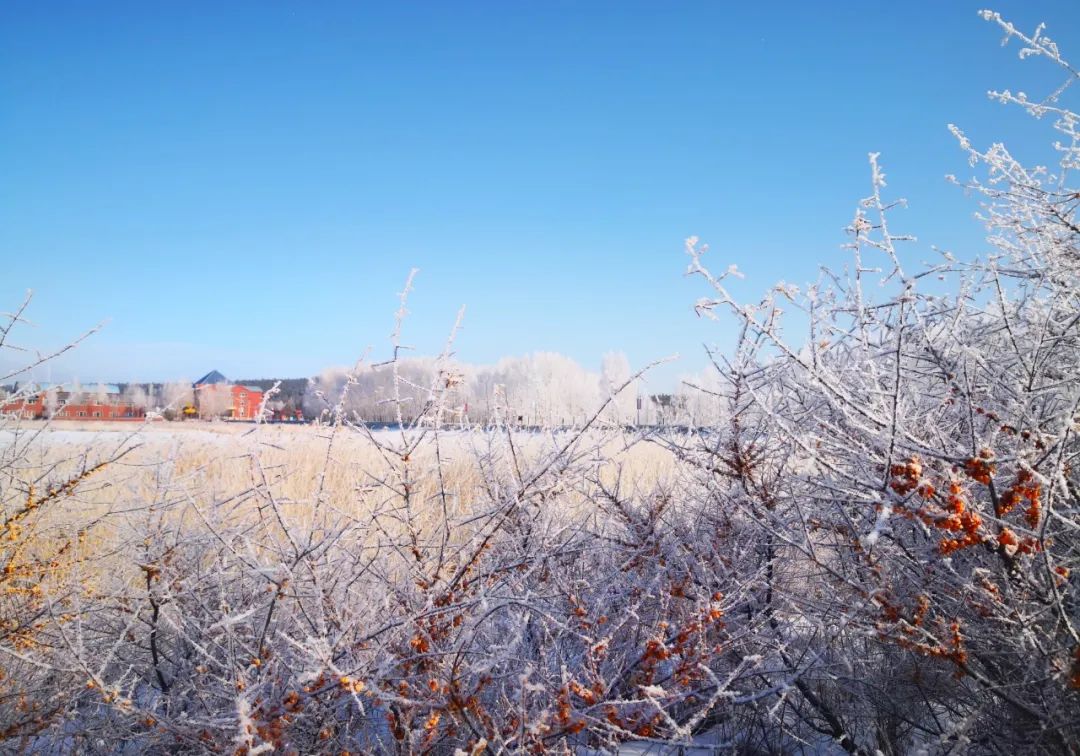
x: 212, y: 377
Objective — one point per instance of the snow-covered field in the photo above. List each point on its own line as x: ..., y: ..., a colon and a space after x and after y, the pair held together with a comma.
x: 187, y: 434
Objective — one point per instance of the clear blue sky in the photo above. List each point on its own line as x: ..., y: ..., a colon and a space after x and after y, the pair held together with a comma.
x: 244, y: 186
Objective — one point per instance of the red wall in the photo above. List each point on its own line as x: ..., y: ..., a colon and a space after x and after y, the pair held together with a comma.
x: 106, y: 411
x: 24, y: 408
x: 36, y: 410
x: 243, y: 403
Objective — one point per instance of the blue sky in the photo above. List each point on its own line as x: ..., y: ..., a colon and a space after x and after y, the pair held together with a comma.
x: 244, y: 186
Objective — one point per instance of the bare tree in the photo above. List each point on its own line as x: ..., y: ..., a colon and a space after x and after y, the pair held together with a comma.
x: 213, y: 400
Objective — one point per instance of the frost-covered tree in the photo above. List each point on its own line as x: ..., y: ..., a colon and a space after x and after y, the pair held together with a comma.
x: 175, y: 396
x: 911, y: 468
x: 138, y: 396
x: 543, y: 388
x: 614, y: 372
x: 212, y: 400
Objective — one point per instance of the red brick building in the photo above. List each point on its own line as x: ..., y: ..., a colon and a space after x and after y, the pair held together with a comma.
x: 216, y: 397
x: 63, y: 402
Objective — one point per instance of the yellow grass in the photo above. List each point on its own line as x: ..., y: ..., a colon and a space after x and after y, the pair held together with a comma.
x: 196, y: 471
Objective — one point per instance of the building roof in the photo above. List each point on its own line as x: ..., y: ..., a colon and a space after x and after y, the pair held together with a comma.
x: 212, y: 377
x: 101, y: 388
x: 34, y: 387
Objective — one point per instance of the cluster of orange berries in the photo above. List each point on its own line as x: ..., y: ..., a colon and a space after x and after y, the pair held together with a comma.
x: 430, y: 726
x: 1026, y: 435
x: 687, y: 648
x: 588, y: 695
x: 957, y: 654
x: 273, y: 722
x: 1025, y: 489
x: 351, y: 686
x: 963, y: 523
x: 634, y: 723
x: 993, y: 416
x: 893, y: 613
x: 1012, y: 544
x: 564, y: 709
x: 922, y: 606
x: 960, y: 520
x: 953, y: 651
x: 981, y: 468
x: 906, y: 476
